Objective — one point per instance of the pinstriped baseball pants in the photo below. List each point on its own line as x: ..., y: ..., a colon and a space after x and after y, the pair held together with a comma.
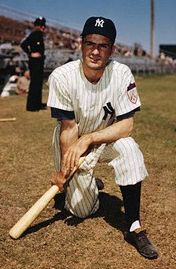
x: 81, y: 191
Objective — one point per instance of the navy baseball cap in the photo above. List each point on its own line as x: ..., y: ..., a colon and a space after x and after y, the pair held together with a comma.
x: 100, y: 26
x: 40, y: 21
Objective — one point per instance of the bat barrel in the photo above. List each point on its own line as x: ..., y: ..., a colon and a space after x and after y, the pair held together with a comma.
x: 23, y: 223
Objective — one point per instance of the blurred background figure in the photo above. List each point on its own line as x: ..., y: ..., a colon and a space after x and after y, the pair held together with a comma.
x: 23, y: 81
x: 34, y: 46
x: 10, y: 86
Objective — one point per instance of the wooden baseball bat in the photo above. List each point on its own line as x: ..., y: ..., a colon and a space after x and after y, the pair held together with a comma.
x: 7, y: 119
x: 26, y: 220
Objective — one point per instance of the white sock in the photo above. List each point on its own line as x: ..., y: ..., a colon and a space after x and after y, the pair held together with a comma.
x: 135, y: 225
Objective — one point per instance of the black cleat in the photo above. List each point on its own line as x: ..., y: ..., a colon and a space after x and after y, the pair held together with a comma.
x: 43, y: 106
x: 142, y: 244
x: 32, y: 110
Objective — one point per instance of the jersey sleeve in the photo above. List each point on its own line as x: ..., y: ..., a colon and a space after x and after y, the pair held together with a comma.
x: 58, y: 93
x: 128, y: 99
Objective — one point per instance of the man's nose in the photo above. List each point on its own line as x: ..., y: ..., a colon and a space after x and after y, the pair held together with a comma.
x: 96, y: 49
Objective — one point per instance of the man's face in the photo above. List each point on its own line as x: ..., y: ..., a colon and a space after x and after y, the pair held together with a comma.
x: 96, y: 50
x: 42, y: 28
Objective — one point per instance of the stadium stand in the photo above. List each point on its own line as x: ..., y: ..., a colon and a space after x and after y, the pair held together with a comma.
x: 62, y: 45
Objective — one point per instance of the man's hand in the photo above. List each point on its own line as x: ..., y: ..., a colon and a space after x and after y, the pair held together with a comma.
x: 70, y: 160
x: 35, y: 54
x: 59, y: 179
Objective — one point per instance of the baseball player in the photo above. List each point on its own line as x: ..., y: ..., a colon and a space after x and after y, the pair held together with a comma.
x: 94, y: 100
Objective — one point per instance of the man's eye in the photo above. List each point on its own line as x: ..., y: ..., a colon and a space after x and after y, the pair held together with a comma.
x: 104, y: 46
x: 89, y: 44
x: 93, y: 45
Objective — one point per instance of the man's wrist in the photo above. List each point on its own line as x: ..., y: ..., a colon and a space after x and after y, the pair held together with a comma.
x: 91, y: 138
x: 88, y: 138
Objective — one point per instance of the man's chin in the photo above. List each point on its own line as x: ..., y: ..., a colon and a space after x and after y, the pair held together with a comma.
x: 95, y: 66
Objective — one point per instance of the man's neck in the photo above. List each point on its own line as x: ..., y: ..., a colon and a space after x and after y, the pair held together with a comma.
x: 93, y: 76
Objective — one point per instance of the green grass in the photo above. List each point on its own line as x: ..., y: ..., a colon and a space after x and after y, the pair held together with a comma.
x: 156, y: 124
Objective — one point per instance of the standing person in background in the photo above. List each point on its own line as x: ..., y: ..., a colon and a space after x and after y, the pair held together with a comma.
x: 33, y: 45
x: 94, y: 101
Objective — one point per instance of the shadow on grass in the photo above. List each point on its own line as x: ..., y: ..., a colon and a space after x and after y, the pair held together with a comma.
x: 110, y: 210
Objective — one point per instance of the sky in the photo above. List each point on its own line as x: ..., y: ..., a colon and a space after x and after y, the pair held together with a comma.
x: 131, y: 17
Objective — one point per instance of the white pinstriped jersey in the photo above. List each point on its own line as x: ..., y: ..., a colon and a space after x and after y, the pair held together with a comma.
x: 93, y: 104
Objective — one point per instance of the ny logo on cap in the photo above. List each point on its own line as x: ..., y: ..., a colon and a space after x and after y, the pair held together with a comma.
x: 99, y: 23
